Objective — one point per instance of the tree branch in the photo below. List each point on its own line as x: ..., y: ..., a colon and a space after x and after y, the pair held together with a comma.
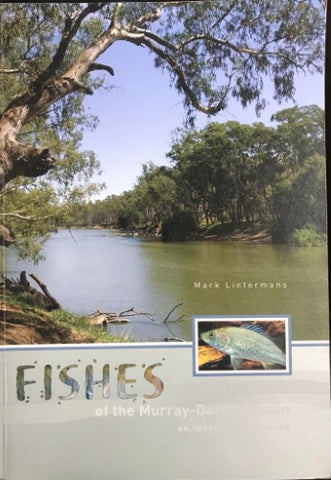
x: 182, y: 83
x: 153, y: 16
x: 238, y: 49
x: 172, y: 310
x: 54, y: 304
x: 148, y: 17
x: 71, y: 27
x: 156, y: 38
x: 223, y: 17
x: 9, y: 71
x: 25, y: 160
x: 101, y: 66
x: 116, y: 12
x: 24, y: 217
x: 7, y: 190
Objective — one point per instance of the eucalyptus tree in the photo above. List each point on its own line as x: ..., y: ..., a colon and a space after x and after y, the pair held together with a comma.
x: 155, y: 193
x: 212, y: 51
x: 225, y: 170
x: 300, y: 134
x: 299, y: 197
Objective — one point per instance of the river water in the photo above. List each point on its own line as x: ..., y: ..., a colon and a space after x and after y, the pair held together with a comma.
x: 101, y: 270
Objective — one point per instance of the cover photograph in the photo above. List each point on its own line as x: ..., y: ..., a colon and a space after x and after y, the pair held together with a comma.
x: 164, y: 310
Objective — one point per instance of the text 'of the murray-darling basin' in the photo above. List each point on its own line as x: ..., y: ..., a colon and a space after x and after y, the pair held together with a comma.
x: 184, y: 412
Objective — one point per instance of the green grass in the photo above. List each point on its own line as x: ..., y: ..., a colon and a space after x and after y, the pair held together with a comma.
x: 78, y: 325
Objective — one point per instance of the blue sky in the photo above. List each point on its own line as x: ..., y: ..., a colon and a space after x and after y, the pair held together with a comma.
x: 138, y: 115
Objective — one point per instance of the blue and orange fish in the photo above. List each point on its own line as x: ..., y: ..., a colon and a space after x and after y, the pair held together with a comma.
x: 247, y: 342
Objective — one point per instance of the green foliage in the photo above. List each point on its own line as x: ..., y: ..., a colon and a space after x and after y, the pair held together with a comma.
x: 308, y: 237
x: 178, y: 226
x: 300, y: 200
x: 300, y: 134
x: 155, y: 193
x: 224, y: 171
x: 29, y: 37
x: 255, y: 40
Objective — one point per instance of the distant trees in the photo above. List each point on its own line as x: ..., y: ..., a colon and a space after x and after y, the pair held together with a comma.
x: 299, y: 196
x: 224, y: 171
x: 236, y: 174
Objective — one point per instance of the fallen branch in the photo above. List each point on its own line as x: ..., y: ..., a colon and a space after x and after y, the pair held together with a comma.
x: 54, y: 303
x: 22, y: 286
x: 133, y: 313
x: 99, y: 317
x: 172, y: 310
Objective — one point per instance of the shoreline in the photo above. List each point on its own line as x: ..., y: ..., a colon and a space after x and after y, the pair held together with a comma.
x: 247, y: 235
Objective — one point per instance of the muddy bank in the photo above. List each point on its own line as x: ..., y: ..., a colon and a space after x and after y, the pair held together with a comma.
x: 19, y: 326
x: 262, y: 236
x: 226, y: 233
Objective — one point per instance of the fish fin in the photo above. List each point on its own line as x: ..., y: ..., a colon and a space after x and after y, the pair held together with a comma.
x: 254, y: 328
x: 237, y: 362
x: 267, y: 366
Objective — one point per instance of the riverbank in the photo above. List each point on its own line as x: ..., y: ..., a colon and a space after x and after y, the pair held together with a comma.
x: 24, y: 324
x: 220, y: 233
x: 246, y: 232
x: 249, y: 233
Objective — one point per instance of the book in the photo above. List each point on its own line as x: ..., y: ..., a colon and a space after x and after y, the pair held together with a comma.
x: 178, y: 329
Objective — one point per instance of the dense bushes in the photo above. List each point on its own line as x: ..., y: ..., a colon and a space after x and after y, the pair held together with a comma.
x: 178, y: 226
x: 308, y: 237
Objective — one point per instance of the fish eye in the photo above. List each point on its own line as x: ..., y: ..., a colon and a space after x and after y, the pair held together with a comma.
x: 211, y: 335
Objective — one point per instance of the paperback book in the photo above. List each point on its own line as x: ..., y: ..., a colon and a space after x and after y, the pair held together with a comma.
x: 164, y: 311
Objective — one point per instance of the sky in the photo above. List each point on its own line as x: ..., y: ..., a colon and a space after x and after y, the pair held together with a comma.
x: 141, y: 111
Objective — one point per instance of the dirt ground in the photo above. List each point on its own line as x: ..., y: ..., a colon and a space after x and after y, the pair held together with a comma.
x: 19, y: 327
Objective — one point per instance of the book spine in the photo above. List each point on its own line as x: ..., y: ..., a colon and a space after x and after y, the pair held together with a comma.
x: 3, y: 417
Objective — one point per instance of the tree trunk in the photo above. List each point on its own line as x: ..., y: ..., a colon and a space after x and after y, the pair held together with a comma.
x: 7, y: 236
x: 17, y: 158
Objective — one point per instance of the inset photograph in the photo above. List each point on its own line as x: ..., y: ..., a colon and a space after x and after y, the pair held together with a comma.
x: 241, y: 345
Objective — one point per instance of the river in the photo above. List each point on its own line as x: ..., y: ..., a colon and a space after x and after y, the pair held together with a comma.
x: 101, y: 270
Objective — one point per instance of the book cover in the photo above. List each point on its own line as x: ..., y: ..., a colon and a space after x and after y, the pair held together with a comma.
x: 164, y: 311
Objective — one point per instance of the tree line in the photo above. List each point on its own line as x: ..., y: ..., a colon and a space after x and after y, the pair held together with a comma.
x: 230, y: 175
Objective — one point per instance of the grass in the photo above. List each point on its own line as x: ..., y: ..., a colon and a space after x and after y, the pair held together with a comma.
x: 80, y: 324
x: 22, y: 313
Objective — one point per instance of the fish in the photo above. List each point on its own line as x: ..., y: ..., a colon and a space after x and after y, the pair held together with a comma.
x: 246, y: 342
